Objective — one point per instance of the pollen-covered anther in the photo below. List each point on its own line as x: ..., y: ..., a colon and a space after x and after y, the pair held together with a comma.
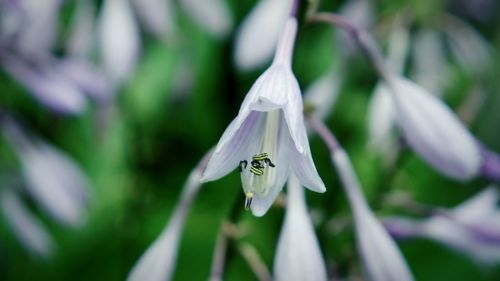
x: 248, y: 200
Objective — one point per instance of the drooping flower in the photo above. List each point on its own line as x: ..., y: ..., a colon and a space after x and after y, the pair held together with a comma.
x: 471, y: 228
x: 381, y: 257
x: 53, y: 179
x: 27, y: 228
x: 213, y: 15
x: 119, y: 40
x: 381, y: 112
x: 268, y: 137
x: 45, y: 84
x: 298, y: 255
x: 428, y: 125
x: 258, y: 35
x: 33, y: 25
x: 434, y: 131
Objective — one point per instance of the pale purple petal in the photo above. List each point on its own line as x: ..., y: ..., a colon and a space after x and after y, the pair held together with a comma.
x: 56, y: 182
x: 434, y: 132
x: 119, y: 40
x: 258, y: 35
x: 381, y: 119
x: 303, y: 165
x: 157, y: 16
x: 234, y: 145
x: 278, y: 88
x: 298, y: 255
x: 47, y: 86
x: 213, y: 15
x: 381, y: 257
x: 87, y: 77
x: 472, y: 228
x: 39, y: 26
x: 28, y: 229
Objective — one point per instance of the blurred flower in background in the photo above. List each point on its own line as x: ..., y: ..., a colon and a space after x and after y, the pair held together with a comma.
x: 471, y: 228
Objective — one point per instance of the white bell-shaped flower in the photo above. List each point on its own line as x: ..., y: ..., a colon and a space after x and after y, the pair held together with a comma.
x: 268, y: 138
x: 472, y: 228
x: 298, y: 256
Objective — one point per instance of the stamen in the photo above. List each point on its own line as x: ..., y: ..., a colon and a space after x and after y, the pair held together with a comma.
x: 262, y: 174
x: 248, y: 200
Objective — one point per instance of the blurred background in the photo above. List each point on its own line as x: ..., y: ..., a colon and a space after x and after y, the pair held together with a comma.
x: 106, y: 107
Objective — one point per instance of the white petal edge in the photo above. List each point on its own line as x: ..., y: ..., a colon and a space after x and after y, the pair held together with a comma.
x: 298, y: 255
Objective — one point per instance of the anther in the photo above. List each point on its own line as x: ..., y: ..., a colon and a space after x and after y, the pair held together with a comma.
x: 248, y: 200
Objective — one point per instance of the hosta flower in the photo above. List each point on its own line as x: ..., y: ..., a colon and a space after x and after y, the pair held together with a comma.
x: 471, y: 228
x: 427, y: 124
x: 213, y: 15
x: 381, y: 257
x: 434, y: 131
x: 119, y: 40
x: 268, y: 138
x: 298, y: 256
x: 51, y: 177
x: 381, y: 113
x: 31, y: 25
x: 44, y: 82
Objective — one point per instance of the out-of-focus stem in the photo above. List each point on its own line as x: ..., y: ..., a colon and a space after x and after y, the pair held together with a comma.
x: 219, y: 258
x: 364, y: 40
x: 251, y: 256
x: 323, y: 132
x: 341, y: 161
